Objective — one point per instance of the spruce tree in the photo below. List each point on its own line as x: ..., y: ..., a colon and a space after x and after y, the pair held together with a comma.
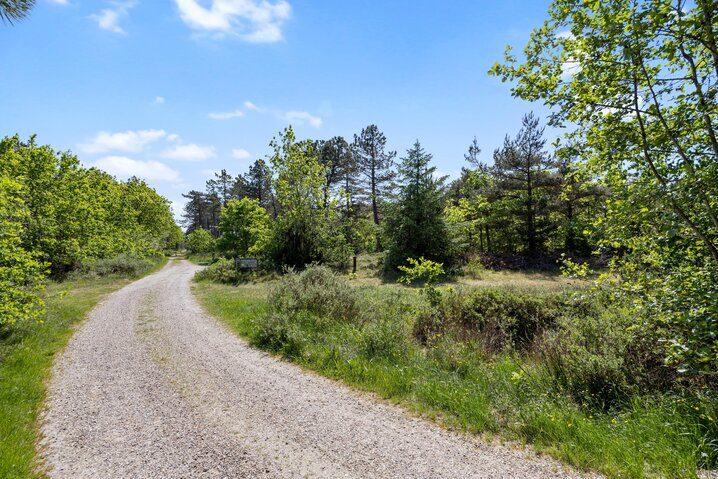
x: 415, y: 224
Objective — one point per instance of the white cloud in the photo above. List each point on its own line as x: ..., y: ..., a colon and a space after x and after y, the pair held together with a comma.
x: 130, y: 141
x: 293, y: 116
x: 109, y: 18
x: 241, y: 154
x: 300, y: 117
x: 190, y: 152
x: 60, y: 2
x: 257, y: 21
x: 160, y: 100
x: 177, y: 209
x: 124, y: 167
x: 251, y: 106
x: 572, y: 65
x: 226, y: 115
x: 208, y: 173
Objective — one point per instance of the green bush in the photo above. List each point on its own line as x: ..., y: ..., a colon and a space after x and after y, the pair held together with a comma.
x: 500, y: 319
x: 600, y: 360
x: 221, y: 271
x: 124, y: 264
x: 474, y: 269
x: 510, y: 318
x: 317, y: 290
x: 281, y: 333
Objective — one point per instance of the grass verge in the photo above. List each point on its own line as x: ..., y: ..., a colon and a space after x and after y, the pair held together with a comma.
x: 27, y: 351
x: 458, y: 386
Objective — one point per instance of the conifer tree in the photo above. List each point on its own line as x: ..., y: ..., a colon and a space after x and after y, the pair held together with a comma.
x: 415, y: 225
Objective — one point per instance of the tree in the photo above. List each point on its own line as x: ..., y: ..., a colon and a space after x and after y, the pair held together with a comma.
x: 14, y: 10
x: 524, y: 174
x: 258, y: 186
x: 196, y: 212
x: 244, y: 228
x: 221, y: 187
x: 200, y: 241
x: 376, y: 166
x: 304, y: 231
x: 582, y: 200
x: 20, y: 273
x: 415, y: 225
x: 340, y: 168
x: 76, y: 215
x: 472, y: 155
x: 637, y: 79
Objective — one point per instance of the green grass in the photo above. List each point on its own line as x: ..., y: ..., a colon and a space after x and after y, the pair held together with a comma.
x: 456, y: 385
x: 27, y: 351
x: 201, y: 259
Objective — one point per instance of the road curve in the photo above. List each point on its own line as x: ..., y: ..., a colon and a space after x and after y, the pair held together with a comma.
x: 151, y: 387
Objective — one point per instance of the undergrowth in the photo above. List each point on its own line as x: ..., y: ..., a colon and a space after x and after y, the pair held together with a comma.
x: 544, y: 368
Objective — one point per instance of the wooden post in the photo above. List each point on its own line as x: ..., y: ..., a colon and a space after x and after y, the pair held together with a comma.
x: 354, y: 269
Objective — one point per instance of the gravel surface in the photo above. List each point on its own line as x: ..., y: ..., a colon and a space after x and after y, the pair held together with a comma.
x: 152, y: 387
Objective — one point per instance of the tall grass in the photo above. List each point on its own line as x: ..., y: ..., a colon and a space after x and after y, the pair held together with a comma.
x: 27, y: 351
x: 455, y: 381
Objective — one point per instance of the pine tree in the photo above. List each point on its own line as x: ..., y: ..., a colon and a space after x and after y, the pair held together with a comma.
x: 375, y: 164
x: 257, y: 183
x: 340, y: 168
x: 221, y: 186
x: 527, y: 179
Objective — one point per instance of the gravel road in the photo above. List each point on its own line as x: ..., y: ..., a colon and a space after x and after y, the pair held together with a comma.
x: 152, y: 387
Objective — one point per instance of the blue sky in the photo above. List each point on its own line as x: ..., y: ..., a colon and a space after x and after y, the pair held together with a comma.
x: 172, y: 90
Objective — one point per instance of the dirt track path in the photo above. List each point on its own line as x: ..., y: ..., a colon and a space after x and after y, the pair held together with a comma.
x: 152, y: 387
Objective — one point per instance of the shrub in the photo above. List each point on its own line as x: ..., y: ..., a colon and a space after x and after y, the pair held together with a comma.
x: 281, y: 333
x: 474, y: 269
x: 317, y: 290
x: 427, y: 272
x: 500, y: 319
x: 510, y: 318
x: 221, y: 271
x: 599, y: 359
x: 125, y: 264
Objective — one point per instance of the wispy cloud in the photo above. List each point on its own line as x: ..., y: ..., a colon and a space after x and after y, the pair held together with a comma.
x: 241, y: 154
x: 251, y: 106
x: 160, y: 100
x: 293, y: 116
x: 109, y: 18
x: 60, y: 2
x: 301, y: 117
x: 128, y: 141
x: 226, y: 115
x: 190, y: 152
x: 124, y: 167
x: 258, y: 21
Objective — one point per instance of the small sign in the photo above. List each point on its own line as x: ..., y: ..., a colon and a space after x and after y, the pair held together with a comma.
x: 246, y: 263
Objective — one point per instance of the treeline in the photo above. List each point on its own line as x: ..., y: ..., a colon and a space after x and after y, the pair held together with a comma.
x: 57, y: 216
x: 529, y: 204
